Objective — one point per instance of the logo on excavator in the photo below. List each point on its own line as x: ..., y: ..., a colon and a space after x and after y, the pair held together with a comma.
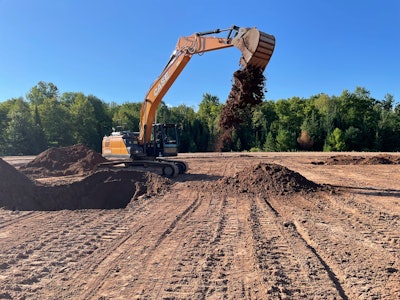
x: 161, y: 83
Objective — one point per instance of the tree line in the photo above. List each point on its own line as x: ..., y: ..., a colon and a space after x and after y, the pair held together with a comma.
x: 352, y: 121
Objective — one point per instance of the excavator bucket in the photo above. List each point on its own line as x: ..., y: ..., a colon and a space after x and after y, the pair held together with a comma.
x: 256, y: 47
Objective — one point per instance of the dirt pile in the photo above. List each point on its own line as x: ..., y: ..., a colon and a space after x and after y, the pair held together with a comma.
x: 267, y: 179
x: 72, y: 160
x: 15, y: 188
x: 247, y: 91
x: 383, y: 159
x: 100, y: 190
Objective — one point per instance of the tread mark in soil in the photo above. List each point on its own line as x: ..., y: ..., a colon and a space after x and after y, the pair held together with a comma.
x: 329, y: 271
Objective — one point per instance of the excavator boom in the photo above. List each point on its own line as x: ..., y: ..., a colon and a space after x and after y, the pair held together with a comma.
x: 256, y: 48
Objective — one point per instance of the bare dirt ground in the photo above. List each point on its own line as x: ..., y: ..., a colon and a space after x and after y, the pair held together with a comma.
x: 236, y: 226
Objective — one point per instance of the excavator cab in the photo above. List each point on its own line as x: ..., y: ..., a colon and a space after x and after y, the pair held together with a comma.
x: 164, y: 141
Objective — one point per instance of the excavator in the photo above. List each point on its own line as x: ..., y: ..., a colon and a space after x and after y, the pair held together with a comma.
x: 155, y: 142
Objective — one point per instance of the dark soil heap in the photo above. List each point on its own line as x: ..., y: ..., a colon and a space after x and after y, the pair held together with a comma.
x: 383, y: 159
x: 72, y: 160
x: 101, y: 190
x: 267, y: 179
x: 16, y: 189
x: 247, y: 91
x: 107, y: 189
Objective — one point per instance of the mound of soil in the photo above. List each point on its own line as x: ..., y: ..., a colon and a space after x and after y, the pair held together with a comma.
x: 100, y: 190
x: 15, y: 188
x: 268, y: 179
x: 72, y: 160
x: 381, y: 160
x: 360, y: 160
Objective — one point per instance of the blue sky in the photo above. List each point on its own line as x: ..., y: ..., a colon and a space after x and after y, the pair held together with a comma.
x: 115, y: 49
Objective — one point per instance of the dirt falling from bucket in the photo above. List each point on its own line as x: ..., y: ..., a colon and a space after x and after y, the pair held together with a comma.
x: 247, y: 92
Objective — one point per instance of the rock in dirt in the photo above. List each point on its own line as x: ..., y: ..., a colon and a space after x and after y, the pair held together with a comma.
x: 266, y: 179
x: 71, y: 160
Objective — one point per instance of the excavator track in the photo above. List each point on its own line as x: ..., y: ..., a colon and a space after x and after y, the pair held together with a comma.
x: 169, y: 169
x: 181, y: 165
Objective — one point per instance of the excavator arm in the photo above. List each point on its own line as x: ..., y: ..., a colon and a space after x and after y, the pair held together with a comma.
x: 256, y: 47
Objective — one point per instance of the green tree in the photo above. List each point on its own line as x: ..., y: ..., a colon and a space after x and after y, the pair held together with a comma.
x: 42, y: 91
x: 312, y: 129
x: 56, y: 121
x: 335, y: 141
x: 329, y: 114
x: 270, y: 144
x: 18, y: 134
x: 285, y: 140
x: 5, y: 108
x: 357, y: 110
x: 127, y: 115
x: 163, y: 114
x: 263, y: 116
x: 193, y: 134
x: 387, y: 132
x: 209, y: 111
x: 352, y: 138
x: 39, y: 143
x: 103, y: 119
x: 83, y: 122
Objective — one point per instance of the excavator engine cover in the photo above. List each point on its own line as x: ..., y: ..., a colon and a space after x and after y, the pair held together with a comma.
x: 256, y: 47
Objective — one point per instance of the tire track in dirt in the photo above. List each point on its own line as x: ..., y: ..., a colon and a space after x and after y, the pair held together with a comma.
x: 350, y: 237
x: 245, y: 281
x: 189, y: 269
x: 380, y: 227
x: 113, y: 253
x: 170, y: 250
x: 8, y: 218
x: 202, y: 257
x: 112, y: 230
x: 212, y: 275
x: 136, y: 252
x: 228, y: 269
x: 188, y: 258
x: 290, y: 268
x: 25, y: 250
x: 52, y: 253
x: 375, y: 240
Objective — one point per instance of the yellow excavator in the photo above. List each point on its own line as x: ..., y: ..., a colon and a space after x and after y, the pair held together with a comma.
x: 155, y: 142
